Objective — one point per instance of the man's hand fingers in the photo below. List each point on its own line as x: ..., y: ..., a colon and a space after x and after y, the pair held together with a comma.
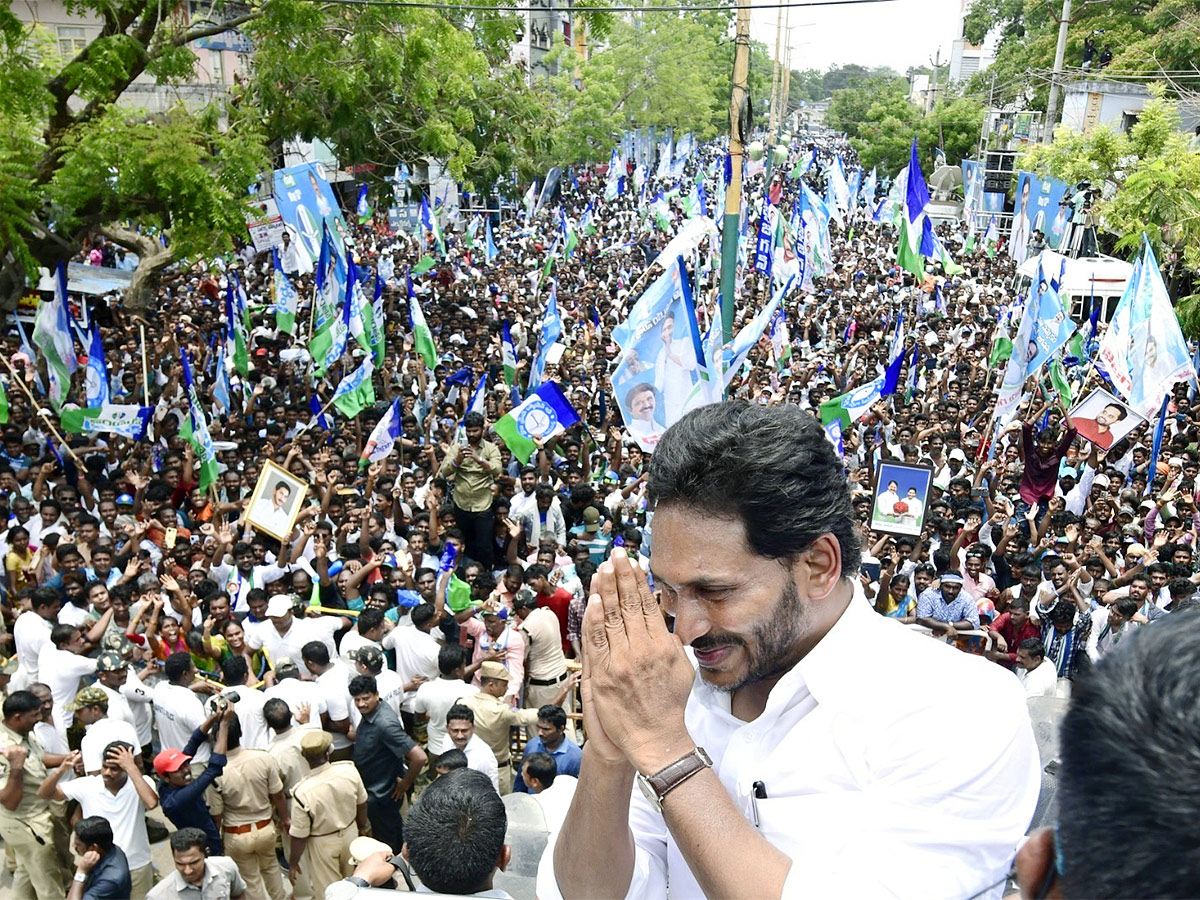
x: 604, y: 584
x: 630, y: 594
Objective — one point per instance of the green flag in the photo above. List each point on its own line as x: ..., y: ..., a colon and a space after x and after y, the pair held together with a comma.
x: 3, y: 405
x: 1058, y: 377
x: 357, y: 390
x: 422, y: 336
x: 424, y: 264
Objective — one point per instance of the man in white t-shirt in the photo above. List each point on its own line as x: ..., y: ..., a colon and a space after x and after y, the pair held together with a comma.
x: 434, y: 698
x: 91, y: 711
x: 288, y: 635
x: 31, y: 632
x: 367, y: 632
x: 122, y: 795
x: 332, y: 680
x: 295, y: 693
x: 249, y: 704
x: 1039, y: 678
x: 178, y: 711
x: 60, y: 666
x: 416, y: 652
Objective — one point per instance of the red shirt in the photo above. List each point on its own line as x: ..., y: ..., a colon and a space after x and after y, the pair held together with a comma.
x: 558, y: 603
x: 1004, y: 627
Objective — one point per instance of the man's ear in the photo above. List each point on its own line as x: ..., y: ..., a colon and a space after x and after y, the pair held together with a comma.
x: 503, y: 859
x: 404, y: 851
x: 1035, y: 866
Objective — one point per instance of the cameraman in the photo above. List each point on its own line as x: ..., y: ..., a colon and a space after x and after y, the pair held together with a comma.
x: 460, y: 810
x: 181, y: 796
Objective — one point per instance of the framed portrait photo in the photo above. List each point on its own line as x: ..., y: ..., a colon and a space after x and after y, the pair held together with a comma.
x: 901, y: 497
x: 1103, y: 420
x: 276, y: 502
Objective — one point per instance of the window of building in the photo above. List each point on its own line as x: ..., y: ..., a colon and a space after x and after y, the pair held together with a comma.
x: 71, y: 39
x: 216, y: 66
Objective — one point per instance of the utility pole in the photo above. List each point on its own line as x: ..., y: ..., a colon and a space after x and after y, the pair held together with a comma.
x: 936, y: 62
x: 733, y: 194
x: 1060, y: 52
x: 775, y: 73
x: 785, y: 73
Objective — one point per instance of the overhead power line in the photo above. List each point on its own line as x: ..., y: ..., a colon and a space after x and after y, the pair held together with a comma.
x: 418, y: 4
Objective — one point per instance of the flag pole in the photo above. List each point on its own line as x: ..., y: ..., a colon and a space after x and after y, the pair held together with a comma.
x: 145, y: 366
x: 318, y: 415
x: 733, y: 193
x: 40, y: 411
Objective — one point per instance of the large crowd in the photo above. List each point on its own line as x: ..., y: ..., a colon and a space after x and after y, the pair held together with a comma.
x: 423, y: 612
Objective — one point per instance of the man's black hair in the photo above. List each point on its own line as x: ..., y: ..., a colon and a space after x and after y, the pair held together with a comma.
x: 542, y: 767
x: 20, y: 702
x: 473, y: 420
x: 277, y: 714
x: 1034, y: 647
x: 369, y: 619
x: 422, y: 614
x: 363, y: 684
x: 42, y: 597
x: 177, y: 665
x: 455, y: 833
x: 187, y: 838
x: 96, y: 831
x: 553, y: 715
x: 61, y: 633
x: 450, y: 657
x: 461, y: 712
x: 450, y: 760
x: 770, y: 467
x: 1126, y: 794
x: 315, y: 652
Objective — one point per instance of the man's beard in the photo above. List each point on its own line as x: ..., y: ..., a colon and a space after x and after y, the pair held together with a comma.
x: 771, y: 648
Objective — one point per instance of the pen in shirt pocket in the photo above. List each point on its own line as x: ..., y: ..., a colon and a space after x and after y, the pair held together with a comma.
x: 758, y: 792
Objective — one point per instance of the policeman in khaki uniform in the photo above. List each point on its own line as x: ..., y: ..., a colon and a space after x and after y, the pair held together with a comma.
x: 25, y: 821
x: 494, y: 716
x: 329, y: 809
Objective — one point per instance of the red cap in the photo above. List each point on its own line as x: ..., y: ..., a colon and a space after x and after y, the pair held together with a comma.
x: 169, y: 761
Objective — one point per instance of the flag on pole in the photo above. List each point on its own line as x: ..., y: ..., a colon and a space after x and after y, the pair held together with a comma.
x: 489, y: 248
x: 422, y: 336
x: 377, y: 321
x: 235, y: 337
x: 891, y: 377
x: 991, y: 238
x: 130, y: 421
x: 285, y: 300
x: 326, y: 280
x: 1156, y: 448
x: 52, y: 335
x: 508, y: 355
x: 384, y: 436
x: 479, y: 397
x: 97, y: 371
x: 3, y: 405
x: 356, y: 391
x: 430, y: 223
x: 363, y: 208
x: 197, y: 428
x: 222, y: 388
x: 529, y: 200
x: 545, y: 413
x: 319, y: 418
x: 551, y: 329
x: 916, y: 231
x: 569, y: 238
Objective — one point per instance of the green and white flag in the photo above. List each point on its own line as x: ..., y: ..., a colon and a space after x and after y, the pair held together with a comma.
x: 52, y: 337
x: 357, y: 390
x: 285, y: 300
x: 508, y: 355
x: 991, y: 238
x: 195, y: 429
x: 3, y: 405
x: 424, y: 264
x: 422, y: 336
x: 235, y: 334
x: 430, y: 223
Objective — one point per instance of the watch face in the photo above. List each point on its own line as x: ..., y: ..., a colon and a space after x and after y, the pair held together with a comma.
x: 648, y: 792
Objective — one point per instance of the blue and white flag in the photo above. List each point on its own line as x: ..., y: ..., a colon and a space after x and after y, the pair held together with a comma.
x: 1156, y: 449
x: 201, y: 439
x: 479, y: 397
x: 52, y: 335
x: 614, y: 186
x: 551, y: 329
x: 489, y: 247
x: 222, y: 388
x: 868, y: 189
x: 385, y: 434
x: 319, y: 418
x: 916, y: 230
x: 129, y: 421
x: 97, y: 371
x: 891, y: 377
x: 363, y: 208
x: 743, y: 342
x: 764, y: 246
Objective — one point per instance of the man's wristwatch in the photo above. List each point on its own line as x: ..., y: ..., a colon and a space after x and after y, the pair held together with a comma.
x: 657, y: 786
x: 81, y: 877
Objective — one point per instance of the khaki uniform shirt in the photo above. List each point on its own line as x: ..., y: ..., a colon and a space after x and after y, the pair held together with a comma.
x: 35, y: 773
x: 285, y: 750
x: 327, y: 800
x: 242, y: 795
x: 493, y: 718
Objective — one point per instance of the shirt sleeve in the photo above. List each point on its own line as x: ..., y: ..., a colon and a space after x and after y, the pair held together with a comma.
x: 972, y: 613
x: 397, y: 739
x: 924, y: 606
x: 514, y: 659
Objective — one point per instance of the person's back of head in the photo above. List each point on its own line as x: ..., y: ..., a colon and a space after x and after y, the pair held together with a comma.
x: 450, y: 658
x: 95, y: 831
x: 177, y: 666
x: 1126, y: 801
x: 235, y: 670
x: 277, y: 714
x: 454, y: 836
x: 542, y: 768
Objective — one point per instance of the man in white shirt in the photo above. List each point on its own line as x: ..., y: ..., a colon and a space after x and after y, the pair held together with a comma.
x: 332, y: 682
x: 287, y: 635
x: 552, y: 791
x: 367, y: 631
x: 460, y: 731
x: 1037, y: 678
x: 416, y: 653
x: 111, y: 669
x: 249, y: 704
x: 755, y: 551
x: 369, y: 660
x: 31, y: 632
x: 60, y: 666
x: 434, y: 698
x: 122, y: 795
x: 177, y: 710
x: 91, y: 711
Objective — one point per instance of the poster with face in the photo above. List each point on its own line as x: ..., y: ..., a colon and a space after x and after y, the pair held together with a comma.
x: 901, y: 495
x: 1103, y: 419
x: 276, y: 501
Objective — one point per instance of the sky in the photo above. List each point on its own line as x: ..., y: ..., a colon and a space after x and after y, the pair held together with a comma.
x: 899, y: 34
